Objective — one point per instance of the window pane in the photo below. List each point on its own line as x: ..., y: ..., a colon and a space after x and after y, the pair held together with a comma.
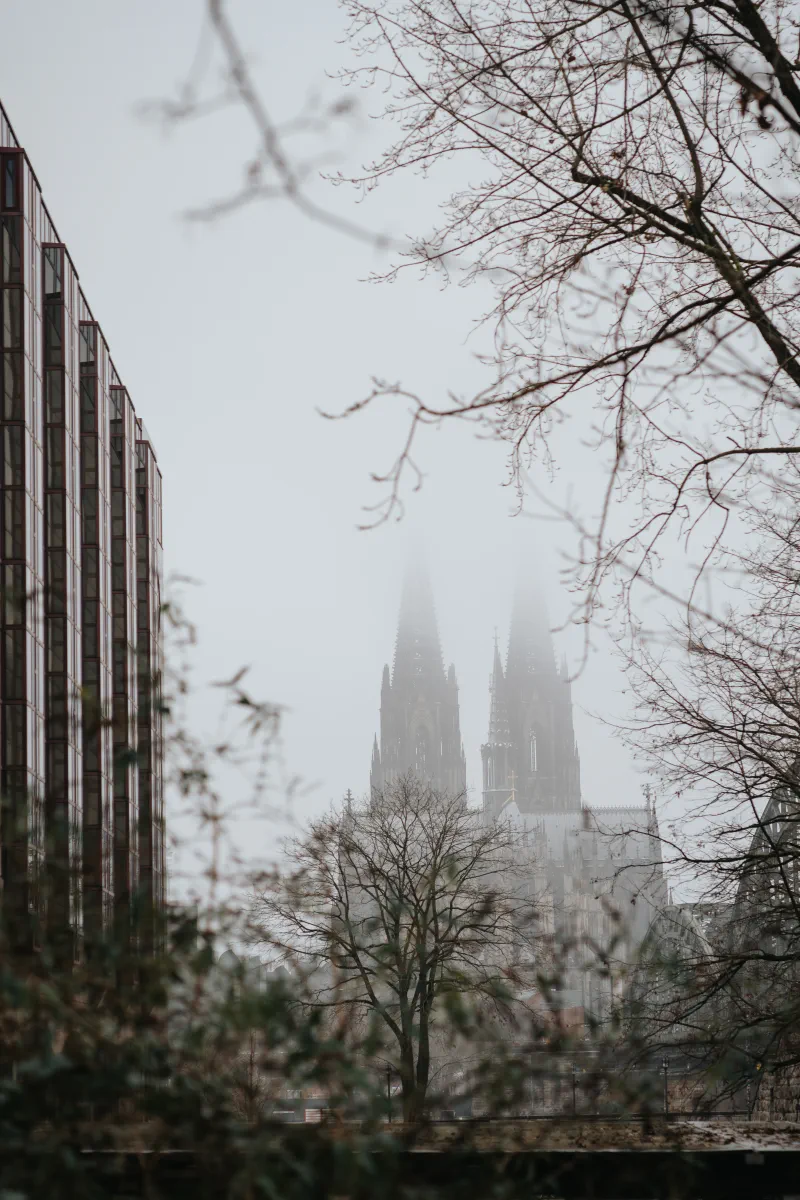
x: 87, y: 345
x: 52, y: 271
x: 57, y: 715
x: 89, y: 462
x: 91, y: 800
x: 53, y: 337
x: 12, y: 318
x: 91, y: 748
x: 90, y: 574
x: 120, y: 668
x: 14, y: 595
x: 14, y: 532
x: 118, y: 568
x: 121, y: 776
x: 57, y: 645
x: 13, y: 404
x: 89, y: 505
x: 88, y: 405
x: 142, y: 667
x: 15, y: 735
x: 90, y: 645
x: 10, y: 180
x: 56, y: 581
x: 13, y: 457
x: 141, y: 511
x: 55, y: 457
x: 57, y: 692
x: 117, y: 513
x: 57, y: 768
x: 117, y: 480
x: 11, y: 239
x: 55, y: 519
x: 54, y: 395
x: 14, y: 665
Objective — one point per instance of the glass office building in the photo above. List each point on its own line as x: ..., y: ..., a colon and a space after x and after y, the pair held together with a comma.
x: 82, y: 820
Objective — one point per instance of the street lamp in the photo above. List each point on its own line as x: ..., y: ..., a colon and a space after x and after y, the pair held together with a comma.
x: 665, y: 1068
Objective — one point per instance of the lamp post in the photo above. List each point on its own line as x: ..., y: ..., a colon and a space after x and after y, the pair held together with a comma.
x: 389, y: 1092
x: 665, y: 1068
x: 574, y: 1090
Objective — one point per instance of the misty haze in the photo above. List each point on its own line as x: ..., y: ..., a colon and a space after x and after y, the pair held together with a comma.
x: 399, y: 728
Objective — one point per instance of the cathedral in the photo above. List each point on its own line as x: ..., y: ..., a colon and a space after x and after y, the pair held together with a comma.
x: 593, y: 865
x: 595, y: 862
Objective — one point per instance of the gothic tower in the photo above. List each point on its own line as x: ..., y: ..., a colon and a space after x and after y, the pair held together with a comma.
x: 531, y: 754
x: 420, y: 728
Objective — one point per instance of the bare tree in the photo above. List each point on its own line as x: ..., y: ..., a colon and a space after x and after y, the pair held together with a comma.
x: 724, y: 729
x: 404, y: 908
x: 289, y: 148
x: 630, y: 194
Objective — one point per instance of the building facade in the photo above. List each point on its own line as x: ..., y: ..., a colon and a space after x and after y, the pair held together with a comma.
x: 82, y: 823
x: 420, y: 727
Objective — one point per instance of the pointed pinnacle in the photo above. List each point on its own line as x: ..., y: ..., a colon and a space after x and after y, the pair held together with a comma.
x: 418, y: 651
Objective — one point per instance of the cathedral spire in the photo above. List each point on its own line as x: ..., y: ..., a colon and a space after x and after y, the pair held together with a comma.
x: 420, y: 729
x: 531, y: 714
x: 657, y: 863
x: 530, y: 645
x: 650, y: 810
x: 498, y: 778
x: 499, y: 732
x: 418, y: 652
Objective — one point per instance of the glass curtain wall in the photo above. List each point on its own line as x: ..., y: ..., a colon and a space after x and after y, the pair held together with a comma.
x: 123, y: 571
x: 64, y: 796
x: 22, y: 763
x: 95, y: 572
x: 148, y: 632
x: 80, y: 594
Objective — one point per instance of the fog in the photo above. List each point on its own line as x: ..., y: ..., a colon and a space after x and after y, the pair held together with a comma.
x: 230, y: 336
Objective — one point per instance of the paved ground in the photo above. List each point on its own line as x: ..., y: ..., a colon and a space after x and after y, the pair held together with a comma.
x: 611, y: 1135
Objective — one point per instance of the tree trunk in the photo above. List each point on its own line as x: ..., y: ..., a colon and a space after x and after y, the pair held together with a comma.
x: 408, y: 1080
x: 423, y: 1059
x: 415, y: 1075
x: 413, y: 1103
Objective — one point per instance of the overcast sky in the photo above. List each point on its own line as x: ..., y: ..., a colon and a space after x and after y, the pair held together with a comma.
x: 230, y: 336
